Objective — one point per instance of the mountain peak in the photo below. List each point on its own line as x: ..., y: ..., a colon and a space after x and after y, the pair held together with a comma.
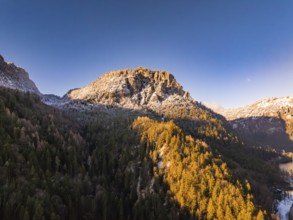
x: 141, y: 75
x: 14, y: 77
x: 131, y: 88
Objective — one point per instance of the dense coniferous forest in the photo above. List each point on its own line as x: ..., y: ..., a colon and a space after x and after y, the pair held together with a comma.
x: 55, y: 167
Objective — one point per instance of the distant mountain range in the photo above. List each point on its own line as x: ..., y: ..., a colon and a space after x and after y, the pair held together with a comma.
x: 267, y: 122
x: 271, y: 107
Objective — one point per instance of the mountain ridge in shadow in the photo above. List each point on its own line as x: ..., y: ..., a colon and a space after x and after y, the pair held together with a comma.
x: 264, y: 131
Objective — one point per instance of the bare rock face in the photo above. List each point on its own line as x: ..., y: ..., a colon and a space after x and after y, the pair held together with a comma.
x: 134, y: 89
x: 14, y: 77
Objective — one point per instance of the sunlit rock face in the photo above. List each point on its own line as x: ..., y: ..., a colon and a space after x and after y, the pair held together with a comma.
x: 138, y: 88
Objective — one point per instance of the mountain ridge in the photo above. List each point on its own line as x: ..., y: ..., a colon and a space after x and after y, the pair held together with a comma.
x: 139, y: 89
x: 265, y: 107
x: 15, y: 77
x: 267, y: 122
x: 131, y: 88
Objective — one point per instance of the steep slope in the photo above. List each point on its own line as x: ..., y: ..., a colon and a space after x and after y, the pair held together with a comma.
x: 14, y: 77
x: 268, y: 122
x: 40, y: 151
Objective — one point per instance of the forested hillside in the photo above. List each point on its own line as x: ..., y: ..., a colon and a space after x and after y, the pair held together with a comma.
x: 197, y: 180
x: 42, y: 160
x: 52, y: 167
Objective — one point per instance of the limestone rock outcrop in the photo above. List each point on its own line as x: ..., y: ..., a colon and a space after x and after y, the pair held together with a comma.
x: 133, y: 89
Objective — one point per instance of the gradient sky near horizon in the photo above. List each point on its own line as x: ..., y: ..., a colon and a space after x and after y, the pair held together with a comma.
x: 226, y: 52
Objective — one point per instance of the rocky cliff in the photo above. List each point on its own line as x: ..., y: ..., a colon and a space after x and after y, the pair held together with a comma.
x: 137, y: 89
x: 15, y: 77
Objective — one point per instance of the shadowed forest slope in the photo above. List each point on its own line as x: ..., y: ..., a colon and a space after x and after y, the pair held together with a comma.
x: 53, y: 167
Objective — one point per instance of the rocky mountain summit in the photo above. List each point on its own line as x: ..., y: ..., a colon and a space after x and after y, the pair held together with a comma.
x: 137, y: 89
x: 14, y: 77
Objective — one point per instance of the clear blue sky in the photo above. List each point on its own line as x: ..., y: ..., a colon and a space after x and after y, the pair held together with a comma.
x: 227, y: 52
